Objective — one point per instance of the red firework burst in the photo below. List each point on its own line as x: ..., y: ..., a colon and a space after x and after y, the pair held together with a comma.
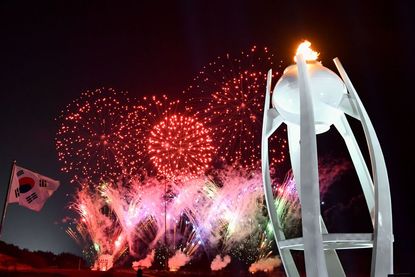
x: 88, y: 140
x: 137, y: 127
x: 229, y: 95
x: 180, y: 146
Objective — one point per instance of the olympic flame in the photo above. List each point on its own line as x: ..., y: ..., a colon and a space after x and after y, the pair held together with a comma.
x: 305, y: 50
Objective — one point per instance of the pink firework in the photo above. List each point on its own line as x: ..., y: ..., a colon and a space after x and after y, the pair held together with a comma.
x: 180, y: 146
x: 88, y: 140
x: 228, y: 94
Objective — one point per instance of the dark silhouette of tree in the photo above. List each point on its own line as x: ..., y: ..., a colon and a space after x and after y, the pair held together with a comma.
x: 39, y: 259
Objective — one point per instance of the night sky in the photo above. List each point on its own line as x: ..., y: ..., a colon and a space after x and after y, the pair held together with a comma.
x: 52, y: 51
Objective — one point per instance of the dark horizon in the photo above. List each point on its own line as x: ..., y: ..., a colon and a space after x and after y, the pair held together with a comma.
x: 53, y: 51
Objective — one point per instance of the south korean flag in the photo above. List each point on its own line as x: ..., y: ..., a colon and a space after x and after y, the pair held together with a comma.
x: 30, y: 189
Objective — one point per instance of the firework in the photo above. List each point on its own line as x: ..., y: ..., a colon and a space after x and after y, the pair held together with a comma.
x: 139, y: 211
x: 143, y: 116
x: 167, y: 140
x: 287, y: 200
x: 98, y: 227
x: 124, y: 149
x: 180, y: 146
x: 288, y: 207
x: 88, y: 140
x: 219, y: 214
x: 228, y: 94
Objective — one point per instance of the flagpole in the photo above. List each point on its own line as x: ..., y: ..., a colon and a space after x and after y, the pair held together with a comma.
x: 6, y: 198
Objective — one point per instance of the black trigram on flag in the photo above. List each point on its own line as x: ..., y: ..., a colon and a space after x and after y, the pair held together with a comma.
x: 43, y: 183
x: 17, y: 192
x: 31, y: 197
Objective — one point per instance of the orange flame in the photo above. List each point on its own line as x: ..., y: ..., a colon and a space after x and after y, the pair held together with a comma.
x: 306, y: 51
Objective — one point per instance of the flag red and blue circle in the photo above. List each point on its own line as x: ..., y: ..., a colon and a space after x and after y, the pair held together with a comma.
x: 26, y: 184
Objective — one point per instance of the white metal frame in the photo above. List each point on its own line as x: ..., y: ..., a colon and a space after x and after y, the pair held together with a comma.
x: 319, y: 246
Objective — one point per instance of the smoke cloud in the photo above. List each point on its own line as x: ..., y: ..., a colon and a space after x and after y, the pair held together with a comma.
x: 146, y: 262
x: 178, y: 260
x: 330, y: 170
x: 219, y: 263
x: 265, y: 264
